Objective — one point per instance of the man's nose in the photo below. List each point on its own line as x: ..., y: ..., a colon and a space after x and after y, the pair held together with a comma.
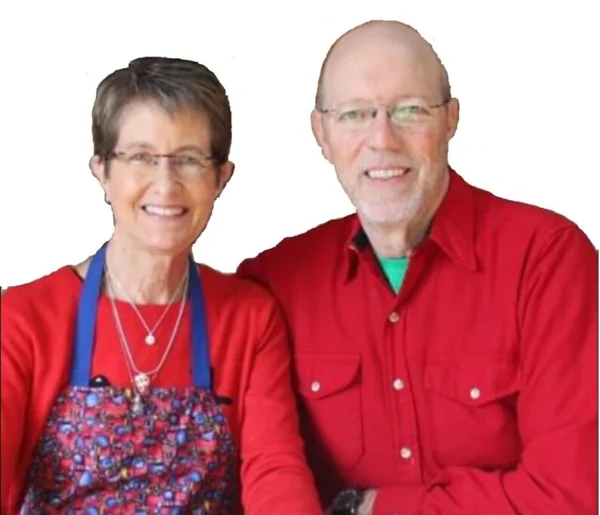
x: 383, y: 134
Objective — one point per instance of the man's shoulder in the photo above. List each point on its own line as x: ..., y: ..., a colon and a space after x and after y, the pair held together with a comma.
x: 320, y: 238
x: 519, y: 220
x: 294, y: 253
x: 227, y: 290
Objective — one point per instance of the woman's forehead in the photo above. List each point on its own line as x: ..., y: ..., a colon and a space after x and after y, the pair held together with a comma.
x: 149, y: 123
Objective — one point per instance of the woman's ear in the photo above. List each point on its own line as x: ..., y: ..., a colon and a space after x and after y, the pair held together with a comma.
x: 99, y: 170
x: 225, y: 174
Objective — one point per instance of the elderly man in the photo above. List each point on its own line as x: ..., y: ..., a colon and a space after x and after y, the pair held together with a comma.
x: 445, y: 339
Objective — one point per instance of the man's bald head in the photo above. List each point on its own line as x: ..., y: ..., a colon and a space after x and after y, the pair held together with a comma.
x: 375, y: 35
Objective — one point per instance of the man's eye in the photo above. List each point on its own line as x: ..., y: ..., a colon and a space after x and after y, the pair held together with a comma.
x: 354, y: 115
x: 414, y: 110
x: 409, y: 113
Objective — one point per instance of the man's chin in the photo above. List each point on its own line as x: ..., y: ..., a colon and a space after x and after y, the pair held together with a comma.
x: 378, y: 214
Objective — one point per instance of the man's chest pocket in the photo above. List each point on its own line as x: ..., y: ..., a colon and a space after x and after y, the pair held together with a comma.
x: 471, y: 410
x: 329, y: 386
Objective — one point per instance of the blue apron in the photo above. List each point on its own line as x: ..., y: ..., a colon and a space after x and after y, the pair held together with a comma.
x: 103, y: 452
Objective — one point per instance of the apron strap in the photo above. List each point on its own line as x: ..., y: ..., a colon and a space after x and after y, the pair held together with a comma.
x: 85, y: 328
x: 200, y: 347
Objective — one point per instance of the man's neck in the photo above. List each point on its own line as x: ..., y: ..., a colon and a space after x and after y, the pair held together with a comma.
x: 395, y: 240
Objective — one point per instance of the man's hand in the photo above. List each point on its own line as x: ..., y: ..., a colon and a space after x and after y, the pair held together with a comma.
x: 366, y: 506
x: 368, y: 503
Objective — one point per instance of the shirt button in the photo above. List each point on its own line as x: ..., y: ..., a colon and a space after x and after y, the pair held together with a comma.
x: 398, y: 384
x: 394, y: 317
x: 405, y: 453
x: 315, y: 386
x: 475, y: 393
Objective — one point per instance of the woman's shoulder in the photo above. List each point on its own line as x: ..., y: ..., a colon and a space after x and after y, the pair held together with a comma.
x: 42, y: 298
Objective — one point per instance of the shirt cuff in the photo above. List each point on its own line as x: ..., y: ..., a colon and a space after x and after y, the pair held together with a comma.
x: 398, y: 500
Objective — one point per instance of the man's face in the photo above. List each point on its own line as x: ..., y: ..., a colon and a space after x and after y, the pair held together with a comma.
x: 393, y: 169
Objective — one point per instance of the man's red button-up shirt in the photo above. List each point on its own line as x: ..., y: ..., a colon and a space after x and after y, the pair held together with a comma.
x: 471, y: 391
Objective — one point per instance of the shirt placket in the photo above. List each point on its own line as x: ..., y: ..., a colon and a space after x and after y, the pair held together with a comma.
x: 407, y: 445
x: 404, y: 411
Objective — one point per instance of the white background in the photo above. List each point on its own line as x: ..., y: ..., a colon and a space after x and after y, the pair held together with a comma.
x: 525, y: 72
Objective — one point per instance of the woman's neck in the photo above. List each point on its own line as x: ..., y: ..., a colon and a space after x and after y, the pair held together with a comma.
x: 145, y: 277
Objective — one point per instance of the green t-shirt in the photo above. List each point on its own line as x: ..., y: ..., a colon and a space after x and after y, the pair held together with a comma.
x: 395, y: 270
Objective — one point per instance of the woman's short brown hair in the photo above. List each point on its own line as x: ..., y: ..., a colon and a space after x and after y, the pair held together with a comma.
x: 174, y: 84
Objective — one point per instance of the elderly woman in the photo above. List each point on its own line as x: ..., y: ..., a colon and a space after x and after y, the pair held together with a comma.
x: 139, y: 381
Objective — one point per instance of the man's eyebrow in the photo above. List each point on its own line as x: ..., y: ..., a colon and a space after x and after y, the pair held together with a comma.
x: 395, y: 100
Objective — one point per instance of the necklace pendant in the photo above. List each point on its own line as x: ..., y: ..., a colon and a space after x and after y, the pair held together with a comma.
x: 142, y: 382
x: 150, y: 339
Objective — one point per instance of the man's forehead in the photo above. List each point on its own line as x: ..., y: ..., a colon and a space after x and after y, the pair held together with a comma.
x: 380, y: 69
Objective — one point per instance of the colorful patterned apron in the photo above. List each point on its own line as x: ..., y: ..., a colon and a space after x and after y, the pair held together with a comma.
x: 98, y: 455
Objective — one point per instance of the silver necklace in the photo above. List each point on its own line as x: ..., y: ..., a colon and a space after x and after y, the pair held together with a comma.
x: 150, y: 338
x: 141, y: 380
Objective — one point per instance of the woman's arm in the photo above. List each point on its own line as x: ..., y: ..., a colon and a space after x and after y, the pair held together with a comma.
x: 16, y: 364
x: 274, y: 474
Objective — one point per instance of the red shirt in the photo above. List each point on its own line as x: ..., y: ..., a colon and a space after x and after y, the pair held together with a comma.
x: 471, y: 391
x: 249, y: 354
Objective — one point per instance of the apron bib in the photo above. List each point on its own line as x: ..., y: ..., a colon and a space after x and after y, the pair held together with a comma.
x: 103, y: 452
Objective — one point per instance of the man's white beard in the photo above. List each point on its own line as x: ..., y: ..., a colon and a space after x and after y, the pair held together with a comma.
x: 389, y: 210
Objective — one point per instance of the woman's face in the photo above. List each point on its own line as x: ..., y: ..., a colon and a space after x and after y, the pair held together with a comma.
x: 161, y: 204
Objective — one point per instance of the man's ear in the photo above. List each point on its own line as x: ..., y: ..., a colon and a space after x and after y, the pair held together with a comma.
x: 99, y: 171
x: 453, y: 117
x: 317, y: 124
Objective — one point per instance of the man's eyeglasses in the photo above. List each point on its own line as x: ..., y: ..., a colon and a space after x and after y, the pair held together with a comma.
x: 185, y: 164
x: 406, y: 115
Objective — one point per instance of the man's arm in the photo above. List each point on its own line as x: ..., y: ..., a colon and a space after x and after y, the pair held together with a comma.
x: 557, y: 407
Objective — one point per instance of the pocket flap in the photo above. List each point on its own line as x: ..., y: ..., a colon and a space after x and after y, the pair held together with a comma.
x: 321, y: 375
x: 474, y: 381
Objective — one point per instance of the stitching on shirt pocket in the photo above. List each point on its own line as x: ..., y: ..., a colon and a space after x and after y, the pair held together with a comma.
x: 322, y: 375
x: 474, y: 381
x: 329, y: 386
x: 472, y: 403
